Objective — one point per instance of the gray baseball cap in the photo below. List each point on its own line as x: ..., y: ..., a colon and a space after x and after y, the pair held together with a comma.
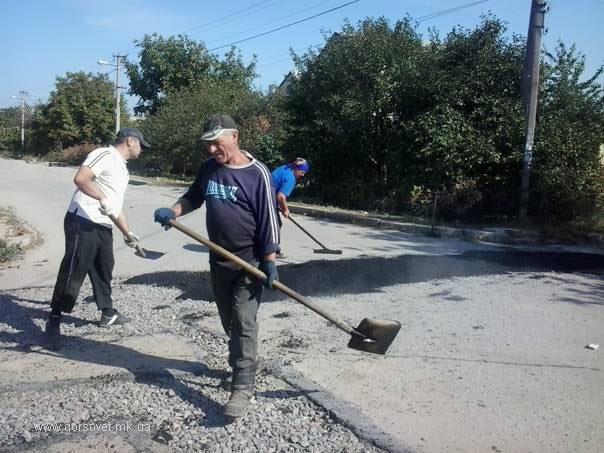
x: 216, y: 126
x: 133, y: 132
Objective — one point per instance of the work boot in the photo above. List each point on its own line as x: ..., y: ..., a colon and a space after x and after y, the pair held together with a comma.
x: 242, y: 390
x: 238, y: 403
x: 53, y: 326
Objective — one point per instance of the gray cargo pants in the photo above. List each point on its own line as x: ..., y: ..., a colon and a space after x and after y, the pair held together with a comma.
x: 232, y: 290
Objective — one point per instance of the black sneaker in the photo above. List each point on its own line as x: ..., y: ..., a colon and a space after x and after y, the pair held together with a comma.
x: 115, y: 319
x: 53, y: 326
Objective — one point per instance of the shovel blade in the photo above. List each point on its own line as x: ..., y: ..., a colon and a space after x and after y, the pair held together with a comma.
x: 379, y: 335
x: 149, y: 254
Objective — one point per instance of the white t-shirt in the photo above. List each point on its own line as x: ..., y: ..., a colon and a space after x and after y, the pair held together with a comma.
x: 111, y: 177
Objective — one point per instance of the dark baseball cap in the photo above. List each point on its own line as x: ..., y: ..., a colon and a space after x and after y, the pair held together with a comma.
x: 216, y: 126
x: 133, y: 132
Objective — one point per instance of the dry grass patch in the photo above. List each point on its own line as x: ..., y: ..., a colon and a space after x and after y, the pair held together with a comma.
x: 15, y: 236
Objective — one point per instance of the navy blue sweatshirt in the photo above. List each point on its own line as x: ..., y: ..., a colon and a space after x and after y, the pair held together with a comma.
x: 241, y: 208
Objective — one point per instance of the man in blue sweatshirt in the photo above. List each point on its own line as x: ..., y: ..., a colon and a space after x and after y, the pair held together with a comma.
x: 242, y: 218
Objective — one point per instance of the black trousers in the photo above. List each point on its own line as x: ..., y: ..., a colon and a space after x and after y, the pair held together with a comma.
x: 238, y: 314
x: 88, y: 251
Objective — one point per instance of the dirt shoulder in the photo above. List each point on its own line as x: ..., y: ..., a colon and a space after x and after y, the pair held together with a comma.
x: 16, y: 237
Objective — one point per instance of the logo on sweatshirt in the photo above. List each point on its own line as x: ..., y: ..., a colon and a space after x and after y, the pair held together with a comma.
x: 215, y: 190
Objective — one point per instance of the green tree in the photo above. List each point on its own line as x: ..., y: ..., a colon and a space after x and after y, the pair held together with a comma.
x: 385, y: 115
x: 466, y: 145
x: 175, y: 130
x: 10, y: 117
x: 173, y: 63
x: 347, y: 107
x: 80, y: 110
x: 568, y: 174
x: 10, y: 124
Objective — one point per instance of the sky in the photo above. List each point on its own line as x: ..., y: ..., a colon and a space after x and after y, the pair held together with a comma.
x: 44, y: 39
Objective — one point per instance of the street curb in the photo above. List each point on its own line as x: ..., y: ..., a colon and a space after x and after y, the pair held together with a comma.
x: 507, y: 236
x: 342, y: 411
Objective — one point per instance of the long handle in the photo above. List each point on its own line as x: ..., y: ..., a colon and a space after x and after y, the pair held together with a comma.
x: 259, y: 274
x: 139, y: 249
x: 309, y: 235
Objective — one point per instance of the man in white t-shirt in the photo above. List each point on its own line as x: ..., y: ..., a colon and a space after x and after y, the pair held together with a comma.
x: 101, y: 183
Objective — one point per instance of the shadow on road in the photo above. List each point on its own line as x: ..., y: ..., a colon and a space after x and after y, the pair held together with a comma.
x: 370, y: 275
x: 196, y: 248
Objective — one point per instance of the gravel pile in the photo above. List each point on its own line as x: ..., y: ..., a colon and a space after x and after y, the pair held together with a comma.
x: 181, y: 412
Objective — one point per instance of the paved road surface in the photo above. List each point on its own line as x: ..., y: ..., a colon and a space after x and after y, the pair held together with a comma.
x: 40, y: 195
x: 491, y: 355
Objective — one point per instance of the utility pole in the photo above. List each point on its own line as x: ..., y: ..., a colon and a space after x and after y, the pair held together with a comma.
x: 117, y: 91
x: 118, y: 59
x: 530, y: 88
x: 22, y: 96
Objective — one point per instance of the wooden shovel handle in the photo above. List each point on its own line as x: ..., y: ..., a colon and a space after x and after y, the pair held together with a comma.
x: 254, y: 271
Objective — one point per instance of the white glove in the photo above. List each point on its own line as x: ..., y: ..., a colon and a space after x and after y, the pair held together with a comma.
x: 107, y: 208
x: 131, y: 240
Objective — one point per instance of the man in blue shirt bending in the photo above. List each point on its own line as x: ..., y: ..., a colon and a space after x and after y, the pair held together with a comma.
x: 285, y: 178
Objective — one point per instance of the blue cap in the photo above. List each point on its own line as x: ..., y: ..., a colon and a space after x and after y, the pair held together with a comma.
x: 301, y: 164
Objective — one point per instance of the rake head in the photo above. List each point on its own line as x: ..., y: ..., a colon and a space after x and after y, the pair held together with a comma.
x: 328, y: 251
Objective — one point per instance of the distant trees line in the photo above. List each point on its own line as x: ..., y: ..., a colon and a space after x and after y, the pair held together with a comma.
x: 388, y: 119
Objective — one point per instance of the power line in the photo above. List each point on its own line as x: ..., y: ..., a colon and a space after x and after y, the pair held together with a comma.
x: 448, y: 11
x: 418, y: 19
x: 284, y: 26
x: 269, y: 57
x: 272, y: 63
x: 273, y: 21
x: 233, y: 15
x: 251, y: 7
x: 227, y: 18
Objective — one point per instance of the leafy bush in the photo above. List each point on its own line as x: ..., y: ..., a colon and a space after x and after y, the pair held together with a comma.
x: 80, y: 109
x: 75, y: 155
x: 10, y: 139
x: 177, y: 62
x: 175, y: 130
x: 388, y: 120
x: 568, y: 172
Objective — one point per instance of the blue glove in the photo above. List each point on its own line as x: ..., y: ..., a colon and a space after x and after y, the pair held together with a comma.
x: 163, y: 216
x: 270, y: 269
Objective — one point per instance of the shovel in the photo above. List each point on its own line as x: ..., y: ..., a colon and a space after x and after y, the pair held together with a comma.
x: 321, y: 250
x: 372, y: 335
x: 140, y: 251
